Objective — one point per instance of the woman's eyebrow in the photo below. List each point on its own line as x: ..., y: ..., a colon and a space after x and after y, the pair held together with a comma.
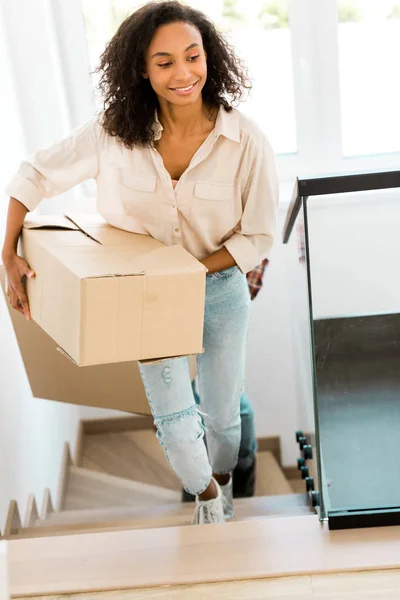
x: 168, y: 54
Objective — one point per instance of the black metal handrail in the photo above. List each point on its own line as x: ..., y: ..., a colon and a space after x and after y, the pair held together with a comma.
x: 335, y: 184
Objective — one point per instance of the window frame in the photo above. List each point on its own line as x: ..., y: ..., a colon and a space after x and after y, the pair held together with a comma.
x: 315, y: 64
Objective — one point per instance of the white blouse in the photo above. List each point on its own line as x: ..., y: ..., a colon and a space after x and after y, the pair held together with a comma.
x: 227, y: 196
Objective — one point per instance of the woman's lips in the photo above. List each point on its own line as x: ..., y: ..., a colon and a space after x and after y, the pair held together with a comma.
x: 184, y: 91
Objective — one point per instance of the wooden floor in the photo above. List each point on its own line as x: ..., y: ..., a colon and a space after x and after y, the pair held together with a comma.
x: 365, y: 585
x: 299, y: 548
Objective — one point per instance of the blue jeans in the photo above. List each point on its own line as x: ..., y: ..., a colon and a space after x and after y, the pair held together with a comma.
x: 248, y: 441
x: 221, y: 374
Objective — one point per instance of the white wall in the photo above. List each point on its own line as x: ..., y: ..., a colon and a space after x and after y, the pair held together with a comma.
x: 12, y: 141
x: 271, y: 377
x: 279, y: 383
x: 32, y: 431
x: 354, y: 251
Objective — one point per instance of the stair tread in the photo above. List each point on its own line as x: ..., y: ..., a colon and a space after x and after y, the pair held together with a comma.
x: 89, y: 489
x: 298, y: 485
x: 268, y: 503
x: 270, y: 479
x: 172, y: 515
x: 113, y: 453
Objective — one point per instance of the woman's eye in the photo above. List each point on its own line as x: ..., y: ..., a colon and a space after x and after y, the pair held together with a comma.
x: 164, y: 64
x: 193, y: 58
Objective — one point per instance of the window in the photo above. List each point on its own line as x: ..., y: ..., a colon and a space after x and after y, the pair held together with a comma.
x: 258, y: 30
x: 325, y: 84
x: 369, y: 51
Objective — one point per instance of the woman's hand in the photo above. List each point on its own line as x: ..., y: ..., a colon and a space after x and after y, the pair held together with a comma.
x: 219, y: 261
x: 16, y: 268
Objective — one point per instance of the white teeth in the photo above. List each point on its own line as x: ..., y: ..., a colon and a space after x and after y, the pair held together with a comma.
x: 184, y: 89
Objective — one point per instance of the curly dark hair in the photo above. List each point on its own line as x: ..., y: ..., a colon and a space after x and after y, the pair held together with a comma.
x: 130, y: 101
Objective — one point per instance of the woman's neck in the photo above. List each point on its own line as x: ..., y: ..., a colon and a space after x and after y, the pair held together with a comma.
x: 184, y: 121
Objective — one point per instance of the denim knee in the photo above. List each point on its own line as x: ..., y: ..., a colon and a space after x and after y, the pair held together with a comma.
x: 183, y: 426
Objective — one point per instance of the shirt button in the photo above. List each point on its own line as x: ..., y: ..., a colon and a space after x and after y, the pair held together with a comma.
x: 177, y: 230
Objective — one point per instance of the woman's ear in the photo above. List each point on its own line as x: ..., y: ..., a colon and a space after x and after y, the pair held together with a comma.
x: 145, y: 75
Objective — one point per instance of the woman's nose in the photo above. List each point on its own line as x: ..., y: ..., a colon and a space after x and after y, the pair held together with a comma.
x: 182, y: 71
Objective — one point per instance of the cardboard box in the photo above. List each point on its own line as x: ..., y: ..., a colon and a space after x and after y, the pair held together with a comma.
x: 109, y: 296
x: 53, y: 376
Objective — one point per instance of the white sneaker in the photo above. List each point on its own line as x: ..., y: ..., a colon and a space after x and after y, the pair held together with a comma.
x: 209, y: 511
x: 227, y: 499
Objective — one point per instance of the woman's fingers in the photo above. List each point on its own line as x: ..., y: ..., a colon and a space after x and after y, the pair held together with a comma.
x: 23, y: 301
x: 19, y: 301
x: 17, y: 268
x: 15, y: 303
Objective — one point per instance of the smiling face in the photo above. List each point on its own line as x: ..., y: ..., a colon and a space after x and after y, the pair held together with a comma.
x: 176, y: 64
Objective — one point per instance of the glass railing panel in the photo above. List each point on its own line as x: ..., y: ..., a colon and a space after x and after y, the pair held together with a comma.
x: 300, y: 317
x: 354, y: 249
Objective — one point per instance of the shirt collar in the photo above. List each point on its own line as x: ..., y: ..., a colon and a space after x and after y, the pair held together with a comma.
x: 227, y: 124
x: 157, y: 127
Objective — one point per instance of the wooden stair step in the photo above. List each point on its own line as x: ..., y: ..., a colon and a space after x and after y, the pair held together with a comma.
x: 280, y: 547
x: 173, y: 515
x: 298, y: 485
x: 262, y: 506
x: 116, y: 513
x: 135, y: 455
x: 270, y: 479
x: 256, y: 506
x: 89, y: 489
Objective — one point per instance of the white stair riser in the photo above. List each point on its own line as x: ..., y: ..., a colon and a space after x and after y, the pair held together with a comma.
x: 4, y: 595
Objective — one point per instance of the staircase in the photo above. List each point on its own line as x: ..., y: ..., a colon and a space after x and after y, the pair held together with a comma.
x: 121, y: 480
x: 118, y: 524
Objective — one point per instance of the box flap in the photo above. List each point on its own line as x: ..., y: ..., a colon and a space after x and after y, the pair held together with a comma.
x: 84, y: 229
x: 86, y: 220
x: 61, y: 222
x: 108, y: 235
x: 49, y: 222
x: 89, y: 224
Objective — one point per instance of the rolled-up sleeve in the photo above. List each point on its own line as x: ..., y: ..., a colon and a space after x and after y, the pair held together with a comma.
x: 254, y: 235
x: 58, y: 168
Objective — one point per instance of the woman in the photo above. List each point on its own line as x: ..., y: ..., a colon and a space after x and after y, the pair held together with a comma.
x: 173, y: 160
